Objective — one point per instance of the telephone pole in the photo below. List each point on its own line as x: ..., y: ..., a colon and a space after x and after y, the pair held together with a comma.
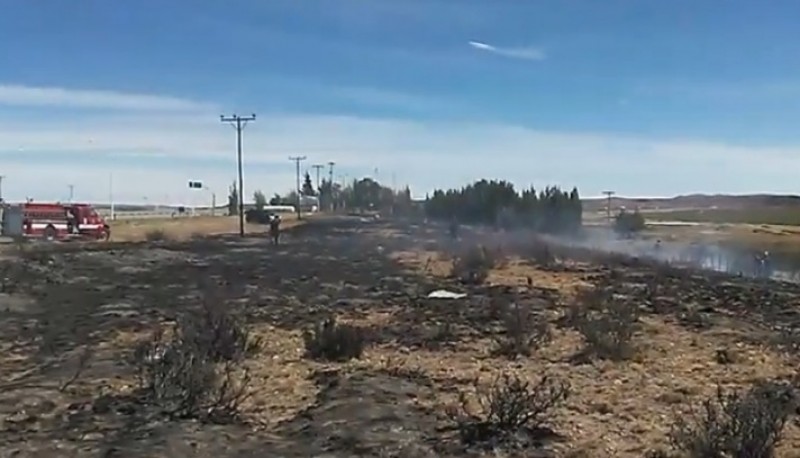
x: 239, y: 122
x: 111, y: 195
x: 608, y: 205
x: 317, y: 168
x: 71, y: 191
x: 330, y: 183
x: 297, y: 160
x: 1, y: 187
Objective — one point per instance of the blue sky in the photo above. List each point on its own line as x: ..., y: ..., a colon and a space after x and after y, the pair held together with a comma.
x: 644, y: 97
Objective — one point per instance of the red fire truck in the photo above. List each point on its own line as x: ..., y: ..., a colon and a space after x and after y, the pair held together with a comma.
x: 54, y: 221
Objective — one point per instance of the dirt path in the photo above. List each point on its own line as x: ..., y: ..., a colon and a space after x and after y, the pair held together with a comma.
x: 184, y: 228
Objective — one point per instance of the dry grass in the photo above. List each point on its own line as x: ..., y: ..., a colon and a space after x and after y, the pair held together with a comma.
x: 282, y: 387
x: 616, y: 409
x: 775, y: 238
x: 620, y: 409
x: 185, y: 228
x: 514, y: 272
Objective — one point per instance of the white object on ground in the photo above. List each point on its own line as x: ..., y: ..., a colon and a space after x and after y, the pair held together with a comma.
x: 444, y: 294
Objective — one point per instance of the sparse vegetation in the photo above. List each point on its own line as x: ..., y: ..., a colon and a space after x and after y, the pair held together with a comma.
x: 736, y: 424
x: 183, y: 382
x: 155, y: 235
x: 334, y: 341
x: 543, y: 255
x: 192, y: 371
x: 473, y: 266
x: 606, y: 324
x: 440, y: 333
x: 511, y: 412
x: 215, y: 332
x: 524, y: 331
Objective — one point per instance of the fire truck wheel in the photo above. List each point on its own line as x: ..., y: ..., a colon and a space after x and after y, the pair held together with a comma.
x: 50, y: 233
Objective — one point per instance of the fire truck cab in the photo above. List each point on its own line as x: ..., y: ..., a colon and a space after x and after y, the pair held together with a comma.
x: 54, y: 221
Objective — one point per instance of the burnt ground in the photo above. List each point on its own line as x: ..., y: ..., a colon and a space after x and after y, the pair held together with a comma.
x: 62, y: 305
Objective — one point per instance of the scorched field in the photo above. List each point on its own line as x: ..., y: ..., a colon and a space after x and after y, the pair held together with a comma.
x: 329, y: 345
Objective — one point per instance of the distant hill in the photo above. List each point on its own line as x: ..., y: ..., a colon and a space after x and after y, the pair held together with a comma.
x: 696, y: 201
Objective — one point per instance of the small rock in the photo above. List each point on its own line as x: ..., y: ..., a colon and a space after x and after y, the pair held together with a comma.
x: 94, y: 437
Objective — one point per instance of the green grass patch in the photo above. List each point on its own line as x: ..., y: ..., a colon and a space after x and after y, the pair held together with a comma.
x: 786, y: 216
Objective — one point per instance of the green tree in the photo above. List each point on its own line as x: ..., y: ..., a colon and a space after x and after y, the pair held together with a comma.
x: 291, y: 198
x: 326, y: 195
x: 233, y: 200
x: 629, y: 223
x: 494, y: 202
x: 260, y: 200
x: 275, y: 199
x: 308, y: 187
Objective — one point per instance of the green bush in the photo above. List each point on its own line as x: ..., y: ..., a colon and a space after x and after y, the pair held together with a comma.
x: 628, y: 223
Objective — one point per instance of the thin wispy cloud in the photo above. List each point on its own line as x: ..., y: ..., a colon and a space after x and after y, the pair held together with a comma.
x: 32, y: 96
x: 377, y: 97
x: 526, y: 53
x: 416, y: 151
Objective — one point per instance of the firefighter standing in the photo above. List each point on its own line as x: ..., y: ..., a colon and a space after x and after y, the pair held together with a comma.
x: 275, y: 228
x: 453, y: 228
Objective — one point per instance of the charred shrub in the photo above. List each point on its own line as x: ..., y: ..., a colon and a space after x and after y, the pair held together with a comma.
x: 219, y: 334
x: 333, y: 341
x: 511, y: 412
x: 441, y: 333
x: 524, y: 331
x: 542, y: 254
x: 735, y: 424
x: 155, y: 235
x: 473, y: 266
x: 183, y: 381
x: 693, y: 317
x: 607, y: 325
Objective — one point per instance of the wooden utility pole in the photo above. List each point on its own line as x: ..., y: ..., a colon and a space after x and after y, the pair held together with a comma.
x: 330, y: 182
x: 239, y: 122
x: 297, y: 160
x: 317, y: 168
x: 608, y: 205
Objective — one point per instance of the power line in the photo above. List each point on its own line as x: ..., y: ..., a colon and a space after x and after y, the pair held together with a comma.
x: 608, y: 205
x: 239, y: 122
x: 297, y: 160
